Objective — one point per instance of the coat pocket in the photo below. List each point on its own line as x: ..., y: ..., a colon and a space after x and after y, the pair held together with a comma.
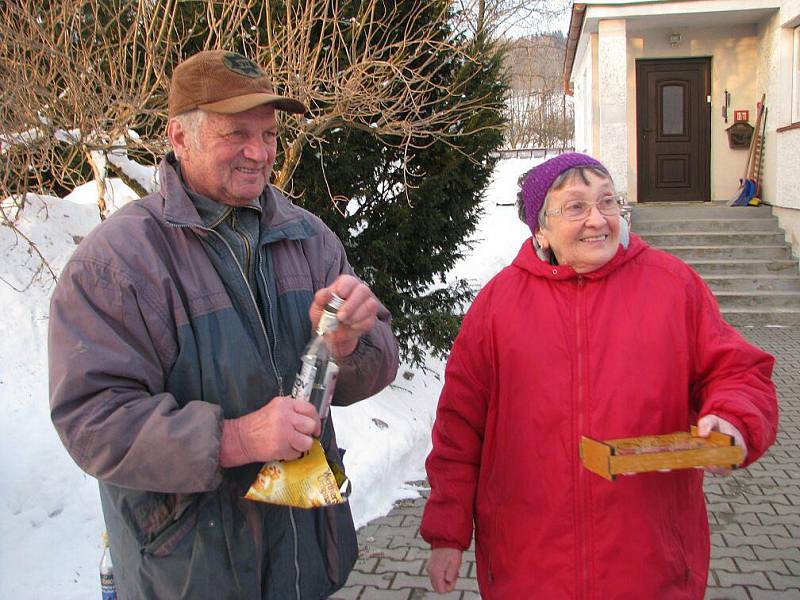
x: 338, y: 542
x: 169, y: 523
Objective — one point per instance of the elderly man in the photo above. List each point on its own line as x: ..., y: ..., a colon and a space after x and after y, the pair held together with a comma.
x: 175, y: 333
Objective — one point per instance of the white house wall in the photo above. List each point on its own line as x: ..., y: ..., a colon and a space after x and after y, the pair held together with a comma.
x: 785, y: 163
x: 583, y: 94
x: 614, y: 100
x: 767, y: 82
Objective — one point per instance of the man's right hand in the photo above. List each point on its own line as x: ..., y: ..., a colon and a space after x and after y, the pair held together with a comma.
x: 282, y: 430
x: 443, y: 568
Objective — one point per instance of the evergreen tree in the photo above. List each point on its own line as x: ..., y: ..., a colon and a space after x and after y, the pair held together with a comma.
x: 403, y: 239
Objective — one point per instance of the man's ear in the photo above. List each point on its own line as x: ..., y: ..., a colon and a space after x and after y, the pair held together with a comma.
x: 177, y: 137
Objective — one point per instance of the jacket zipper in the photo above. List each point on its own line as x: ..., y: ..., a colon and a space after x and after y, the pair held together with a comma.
x: 248, y: 252
x: 270, y: 351
x: 252, y: 297
x: 579, y: 491
x: 280, y: 387
x: 258, y: 313
x: 271, y: 319
x: 296, y: 559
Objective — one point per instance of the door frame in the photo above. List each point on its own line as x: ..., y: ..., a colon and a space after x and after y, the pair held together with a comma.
x: 704, y: 138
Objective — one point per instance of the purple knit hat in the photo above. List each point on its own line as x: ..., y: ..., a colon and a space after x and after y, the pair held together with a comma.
x: 539, y: 179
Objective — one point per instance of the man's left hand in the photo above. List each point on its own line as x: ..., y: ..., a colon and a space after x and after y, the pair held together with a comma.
x: 356, y: 316
x: 711, y: 423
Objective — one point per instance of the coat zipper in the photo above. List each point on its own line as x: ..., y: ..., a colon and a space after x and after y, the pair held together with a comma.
x: 247, y: 285
x: 270, y: 351
x: 258, y: 313
x: 296, y: 559
x: 579, y: 491
x: 248, y: 252
x: 271, y: 319
x: 280, y: 387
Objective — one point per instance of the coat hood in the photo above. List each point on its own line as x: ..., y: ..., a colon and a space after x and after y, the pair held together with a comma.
x: 527, y: 260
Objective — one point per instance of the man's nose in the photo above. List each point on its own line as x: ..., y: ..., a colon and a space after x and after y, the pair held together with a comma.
x: 256, y: 150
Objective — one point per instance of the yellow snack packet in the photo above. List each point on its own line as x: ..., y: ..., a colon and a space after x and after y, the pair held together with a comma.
x: 306, y: 482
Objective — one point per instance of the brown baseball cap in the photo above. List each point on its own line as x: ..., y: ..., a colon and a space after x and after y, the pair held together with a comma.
x: 223, y: 82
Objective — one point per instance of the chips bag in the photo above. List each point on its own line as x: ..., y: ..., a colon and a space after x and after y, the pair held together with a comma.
x: 306, y: 482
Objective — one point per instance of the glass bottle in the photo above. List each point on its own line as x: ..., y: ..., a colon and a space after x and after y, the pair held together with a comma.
x: 316, y: 380
x: 107, y: 586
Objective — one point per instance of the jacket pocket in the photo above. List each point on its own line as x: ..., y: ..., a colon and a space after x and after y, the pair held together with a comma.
x: 337, y: 536
x: 169, y: 523
x: 338, y: 543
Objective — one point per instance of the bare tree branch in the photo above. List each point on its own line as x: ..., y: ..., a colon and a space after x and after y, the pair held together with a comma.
x: 86, y: 76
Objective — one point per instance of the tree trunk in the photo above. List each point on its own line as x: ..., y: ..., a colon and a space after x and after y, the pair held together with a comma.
x: 100, y: 182
x: 479, y: 26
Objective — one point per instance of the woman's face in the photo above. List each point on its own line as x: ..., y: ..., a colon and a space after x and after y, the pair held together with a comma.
x: 587, y: 243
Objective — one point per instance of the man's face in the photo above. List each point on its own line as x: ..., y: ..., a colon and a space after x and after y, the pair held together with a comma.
x: 231, y: 160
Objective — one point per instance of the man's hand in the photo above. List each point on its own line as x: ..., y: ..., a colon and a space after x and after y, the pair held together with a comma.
x: 356, y: 316
x: 443, y: 568
x: 281, y: 430
x: 711, y: 423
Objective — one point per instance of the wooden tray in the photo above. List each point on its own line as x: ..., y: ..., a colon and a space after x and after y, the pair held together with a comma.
x: 679, y: 450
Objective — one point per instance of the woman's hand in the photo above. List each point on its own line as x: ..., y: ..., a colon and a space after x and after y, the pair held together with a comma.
x: 711, y: 423
x: 443, y: 568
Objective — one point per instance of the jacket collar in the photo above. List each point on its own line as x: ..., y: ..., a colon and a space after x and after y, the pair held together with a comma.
x: 280, y: 219
x: 527, y: 260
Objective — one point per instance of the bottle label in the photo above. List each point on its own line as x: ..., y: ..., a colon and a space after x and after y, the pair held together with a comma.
x: 107, y: 587
x: 304, y: 381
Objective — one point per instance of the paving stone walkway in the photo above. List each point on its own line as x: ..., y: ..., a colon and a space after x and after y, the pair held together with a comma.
x: 754, y: 516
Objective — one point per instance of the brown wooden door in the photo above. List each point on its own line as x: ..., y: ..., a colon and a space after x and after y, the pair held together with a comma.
x: 673, y: 130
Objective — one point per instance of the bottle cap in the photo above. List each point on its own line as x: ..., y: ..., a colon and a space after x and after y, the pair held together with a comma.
x: 334, y: 303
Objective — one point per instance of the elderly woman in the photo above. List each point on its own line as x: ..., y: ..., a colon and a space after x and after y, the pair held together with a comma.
x: 583, y: 335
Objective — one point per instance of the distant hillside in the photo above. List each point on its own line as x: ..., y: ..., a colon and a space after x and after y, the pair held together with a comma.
x: 538, y: 112
x: 536, y: 63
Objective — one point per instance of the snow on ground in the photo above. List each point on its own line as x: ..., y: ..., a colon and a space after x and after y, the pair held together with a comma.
x: 50, y: 517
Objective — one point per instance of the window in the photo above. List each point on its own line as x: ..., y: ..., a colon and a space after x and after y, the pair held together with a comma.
x: 672, y: 110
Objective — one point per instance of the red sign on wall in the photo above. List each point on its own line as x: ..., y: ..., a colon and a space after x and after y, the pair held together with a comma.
x: 741, y: 115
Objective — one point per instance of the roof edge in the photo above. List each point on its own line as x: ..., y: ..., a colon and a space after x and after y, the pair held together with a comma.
x: 575, y: 26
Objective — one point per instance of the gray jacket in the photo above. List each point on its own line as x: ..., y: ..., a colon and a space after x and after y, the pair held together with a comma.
x: 155, y: 337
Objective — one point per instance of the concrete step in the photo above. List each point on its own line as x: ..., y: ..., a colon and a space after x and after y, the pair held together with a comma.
x: 643, y: 226
x: 716, y: 238
x: 734, y: 253
x: 697, y: 210
x: 720, y: 283
x: 744, y: 266
x: 786, y: 317
x: 740, y: 252
x: 763, y: 299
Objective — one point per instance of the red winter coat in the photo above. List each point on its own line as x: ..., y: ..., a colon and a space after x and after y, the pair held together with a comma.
x: 544, y: 356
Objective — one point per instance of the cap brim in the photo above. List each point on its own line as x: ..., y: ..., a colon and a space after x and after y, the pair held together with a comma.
x: 239, y: 104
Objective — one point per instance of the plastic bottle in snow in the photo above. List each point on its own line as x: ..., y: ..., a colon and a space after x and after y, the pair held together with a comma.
x: 107, y: 586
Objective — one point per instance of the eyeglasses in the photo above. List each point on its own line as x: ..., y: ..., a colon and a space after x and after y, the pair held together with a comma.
x: 575, y: 210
